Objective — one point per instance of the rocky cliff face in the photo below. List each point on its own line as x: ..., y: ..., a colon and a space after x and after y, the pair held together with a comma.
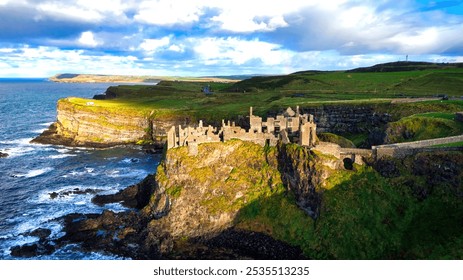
x: 104, y: 127
x: 93, y: 126
x: 88, y: 125
x: 305, y: 173
x: 206, y: 192
x: 229, y: 184
x: 196, y: 207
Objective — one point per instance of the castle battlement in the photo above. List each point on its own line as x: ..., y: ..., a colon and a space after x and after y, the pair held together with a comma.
x: 290, y: 126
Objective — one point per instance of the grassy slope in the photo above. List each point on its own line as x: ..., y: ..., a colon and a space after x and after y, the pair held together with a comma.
x: 174, y: 98
x: 413, y: 214
x: 354, y: 85
x: 424, y: 126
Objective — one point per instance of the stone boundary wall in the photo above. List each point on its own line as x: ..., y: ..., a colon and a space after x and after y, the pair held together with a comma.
x: 423, y: 143
x: 404, y: 149
x: 403, y: 152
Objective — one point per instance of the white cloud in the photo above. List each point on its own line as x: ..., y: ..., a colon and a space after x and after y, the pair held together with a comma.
x: 177, y: 48
x: 152, y: 45
x: 63, y: 11
x: 235, y: 16
x: 257, y: 15
x: 109, y: 11
x: 7, y: 50
x: 236, y: 51
x: 88, y: 39
x: 42, y: 61
x: 169, y: 12
x: 427, y: 40
x: 237, y: 36
x: 47, y: 61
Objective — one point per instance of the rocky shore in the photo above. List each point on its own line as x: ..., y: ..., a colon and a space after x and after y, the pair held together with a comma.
x: 134, y: 234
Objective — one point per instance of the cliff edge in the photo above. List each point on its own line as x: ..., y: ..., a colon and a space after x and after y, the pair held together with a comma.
x: 82, y: 122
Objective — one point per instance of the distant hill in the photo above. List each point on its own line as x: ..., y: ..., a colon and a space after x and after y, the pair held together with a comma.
x: 388, y: 80
x: 405, y: 66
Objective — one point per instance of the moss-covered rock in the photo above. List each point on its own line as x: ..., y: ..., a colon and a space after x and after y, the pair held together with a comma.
x: 419, y: 127
x: 208, y: 190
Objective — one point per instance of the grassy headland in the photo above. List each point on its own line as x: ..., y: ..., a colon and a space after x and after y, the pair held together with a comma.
x: 387, y: 91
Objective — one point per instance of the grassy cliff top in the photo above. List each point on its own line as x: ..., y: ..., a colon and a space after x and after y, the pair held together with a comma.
x: 171, y: 98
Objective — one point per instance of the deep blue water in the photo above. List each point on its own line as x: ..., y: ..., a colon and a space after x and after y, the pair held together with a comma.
x: 33, y: 171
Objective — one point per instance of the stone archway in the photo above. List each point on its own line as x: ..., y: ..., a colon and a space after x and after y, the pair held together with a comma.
x: 348, y: 163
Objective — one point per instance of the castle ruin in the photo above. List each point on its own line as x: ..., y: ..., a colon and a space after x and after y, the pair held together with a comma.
x: 289, y: 127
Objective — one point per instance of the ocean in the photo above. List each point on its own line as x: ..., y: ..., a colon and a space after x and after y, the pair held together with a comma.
x: 32, y: 172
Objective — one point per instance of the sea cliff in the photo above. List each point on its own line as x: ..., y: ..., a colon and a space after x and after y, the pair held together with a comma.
x: 239, y: 200
x: 102, y: 123
x: 89, y: 125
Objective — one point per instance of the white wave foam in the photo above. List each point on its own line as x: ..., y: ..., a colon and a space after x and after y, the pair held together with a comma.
x: 46, y: 124
x: 62, y: 151
x: 33, y: 173
x: 61, y: 156
x: 18, y: 151
x: 130, y: 160
x: 18, y: 147
x: 38, y: 131
x: 21, y: 141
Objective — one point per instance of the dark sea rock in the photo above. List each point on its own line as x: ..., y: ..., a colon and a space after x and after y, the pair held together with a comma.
x: 253, y: 245
x: 136, y: 196
x: 42, y: 247
x: 75, y: 191
x: 3, y: 155
x: 41, y: 233
x: 124, y: 234
x: 139, y: 234
x: 51, y: 136
x: 32, y: 250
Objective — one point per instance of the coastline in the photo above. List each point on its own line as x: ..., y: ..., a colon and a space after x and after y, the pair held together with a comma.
x: 125, y: 79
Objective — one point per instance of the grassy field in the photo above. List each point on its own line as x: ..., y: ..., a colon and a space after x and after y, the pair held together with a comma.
x: 184, y: 98
x: 350, y: 85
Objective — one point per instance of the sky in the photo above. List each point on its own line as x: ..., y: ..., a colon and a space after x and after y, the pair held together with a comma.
x: 41, y: 38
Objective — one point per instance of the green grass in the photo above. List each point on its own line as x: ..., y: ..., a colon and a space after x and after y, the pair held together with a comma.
x: 357, y: 139
x: 184, y: 99
x: 416, y: 214
x: 437, y: 115
x: 423, y: 126
x: 427, y: 82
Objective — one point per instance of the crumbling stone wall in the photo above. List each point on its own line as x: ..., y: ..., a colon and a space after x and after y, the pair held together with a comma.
x: 290, y: 125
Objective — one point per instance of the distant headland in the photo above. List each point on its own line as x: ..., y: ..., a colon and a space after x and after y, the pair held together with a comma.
x: 95, y: 78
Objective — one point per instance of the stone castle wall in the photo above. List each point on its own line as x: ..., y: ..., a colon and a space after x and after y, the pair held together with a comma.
x: 289, y: 125
x: 294, y: 127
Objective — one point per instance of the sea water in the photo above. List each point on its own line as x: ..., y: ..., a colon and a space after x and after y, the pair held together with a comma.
x: 32, y: 172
